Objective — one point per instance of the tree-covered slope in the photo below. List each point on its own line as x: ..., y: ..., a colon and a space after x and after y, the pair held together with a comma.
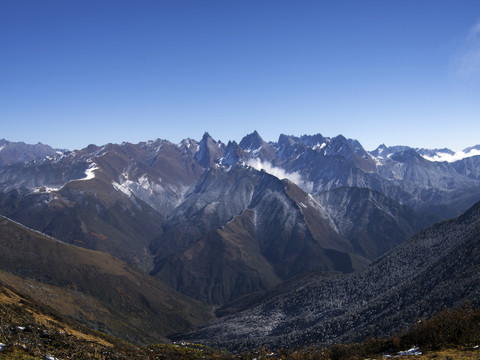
x: 438, y: 267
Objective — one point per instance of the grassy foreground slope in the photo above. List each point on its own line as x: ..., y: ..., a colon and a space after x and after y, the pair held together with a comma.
x: 29, y: 331
x: 92, y: 287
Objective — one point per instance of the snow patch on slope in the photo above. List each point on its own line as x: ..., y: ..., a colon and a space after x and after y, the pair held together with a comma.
x: 319, y: 146
x: 45, y: 189
x: 159, y: 196
x: 122, y: 188
x: 90, y: 172
x: 142, y: 186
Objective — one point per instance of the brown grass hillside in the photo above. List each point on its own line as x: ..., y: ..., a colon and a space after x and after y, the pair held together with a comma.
x: 94, y: 288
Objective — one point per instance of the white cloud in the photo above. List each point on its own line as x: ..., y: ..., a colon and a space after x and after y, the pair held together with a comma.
x: 474, y: 31
x: 453, y: 157
x: 280, y: 173
x: 468, y: 57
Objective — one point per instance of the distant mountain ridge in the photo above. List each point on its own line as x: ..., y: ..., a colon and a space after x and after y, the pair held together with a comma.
x: 14, y: 152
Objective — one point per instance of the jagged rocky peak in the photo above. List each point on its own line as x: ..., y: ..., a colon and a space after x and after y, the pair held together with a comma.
x: 358, y: 148
x: 318, y: 142
x: 314, y: 141
x: 338, y: 141
x: 254, y: 146
x: 187, y: 143
x: 339, y: 145
x: 209, y: 150
x: 188, y: 146
x: 287, y: 140
x: 380, y: 151
x: 252, y: 142
x: 384, y: 151
x: 352, y: 151
x: 233, y: 154
x: 288, y: 146
x: 92, y: 148
x: 407, y: 155
x: 149, y: 144
x: 206, y: 137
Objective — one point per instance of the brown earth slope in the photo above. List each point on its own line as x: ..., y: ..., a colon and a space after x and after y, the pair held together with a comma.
x: 94, y: 288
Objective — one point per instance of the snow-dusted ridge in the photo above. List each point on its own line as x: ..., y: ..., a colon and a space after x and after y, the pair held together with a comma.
x: 89, y: 174
x: 148, y: 190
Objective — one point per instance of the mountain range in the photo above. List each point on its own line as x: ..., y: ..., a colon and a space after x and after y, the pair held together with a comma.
x: 14, y: 152
x: 211, y: 224
x: 436, y: 268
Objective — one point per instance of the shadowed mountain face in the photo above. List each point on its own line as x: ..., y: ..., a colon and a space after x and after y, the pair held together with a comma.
x: 438, y: 267
x: 217, y: 222
x: 209, y: 151
x: 372, y: 222
x: 241, y: 230
x: 93, y: 287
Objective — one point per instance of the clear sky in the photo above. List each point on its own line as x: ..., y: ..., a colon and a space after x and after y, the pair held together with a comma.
x: 75, y: 72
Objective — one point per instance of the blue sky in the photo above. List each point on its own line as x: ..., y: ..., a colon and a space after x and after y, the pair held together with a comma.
x: 96, y: 71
